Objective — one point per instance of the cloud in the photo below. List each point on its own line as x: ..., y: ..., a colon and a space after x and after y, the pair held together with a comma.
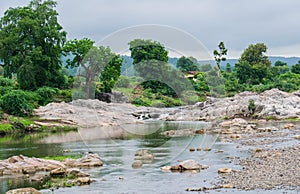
x: 237, y: 23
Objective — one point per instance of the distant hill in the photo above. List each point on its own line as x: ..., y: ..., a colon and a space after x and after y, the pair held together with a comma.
x: 289, y: 60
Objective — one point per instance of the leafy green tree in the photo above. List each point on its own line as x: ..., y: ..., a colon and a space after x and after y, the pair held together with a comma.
x: 296, y: 68
x: 150, y: 62
x: 31, y: 40
x: 253, y: 66
x: 187, y: 64
x: 93, y: 60
x: 111, y: 73
x: 220, y: 55
x: 254, y: 55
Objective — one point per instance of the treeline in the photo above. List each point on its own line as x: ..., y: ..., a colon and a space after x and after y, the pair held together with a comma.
x: 32, y: 44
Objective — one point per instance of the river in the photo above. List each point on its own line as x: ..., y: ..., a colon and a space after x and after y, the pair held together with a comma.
x: 117, y: 149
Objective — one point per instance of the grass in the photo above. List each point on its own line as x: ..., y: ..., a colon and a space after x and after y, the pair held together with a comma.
x: 61, y: 158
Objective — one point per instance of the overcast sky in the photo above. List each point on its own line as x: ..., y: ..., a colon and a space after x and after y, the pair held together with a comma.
x: 236, y: 22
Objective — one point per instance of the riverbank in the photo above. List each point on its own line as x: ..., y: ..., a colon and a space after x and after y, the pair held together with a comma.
x: 274, y: 160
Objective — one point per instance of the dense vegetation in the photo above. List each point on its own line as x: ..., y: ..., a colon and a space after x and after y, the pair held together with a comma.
x: 33, y: 73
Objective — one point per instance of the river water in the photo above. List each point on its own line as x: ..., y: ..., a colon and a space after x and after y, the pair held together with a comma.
x: 117, y: 145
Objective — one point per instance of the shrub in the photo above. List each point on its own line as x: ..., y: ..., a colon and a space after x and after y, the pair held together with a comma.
x: 6, y: 82
x: 5, y: 89
x: 16, y: 103
x: 46, y: 95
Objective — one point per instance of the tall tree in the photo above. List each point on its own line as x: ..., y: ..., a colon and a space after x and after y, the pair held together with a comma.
x: 253, y: 66
x: 254, y: 55
x: 31, y: 40
x: 220, y: 55
x: 92, y: 59
x: 150, y: 62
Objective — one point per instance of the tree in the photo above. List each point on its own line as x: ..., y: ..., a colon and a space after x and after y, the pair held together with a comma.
x: 92, y: 59
x: 111, y: 73
x: 31, y: 40
x: 150, y: 62
x: 254, y: 55
x: 187, y: 64
x: 296, y: 68
x: 280, y: 64
x: 253, y: 66
x: 220, y: 55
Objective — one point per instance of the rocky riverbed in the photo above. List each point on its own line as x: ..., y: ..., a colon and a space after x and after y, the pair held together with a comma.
x: 272, y: 104
x: 275, y: 155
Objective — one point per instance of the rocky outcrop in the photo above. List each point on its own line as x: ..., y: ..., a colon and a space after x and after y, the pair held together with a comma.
x: 26, y: 165
x: 273, y: 103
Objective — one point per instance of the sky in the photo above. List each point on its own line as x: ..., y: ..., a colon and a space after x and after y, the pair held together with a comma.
x: 238, y: 23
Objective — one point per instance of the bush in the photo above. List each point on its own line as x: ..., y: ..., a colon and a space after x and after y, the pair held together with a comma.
x: 5, y: 89
x: 6, y: 82
x: 46, y: 95
x: 140, y: 102
x: 16, y: 103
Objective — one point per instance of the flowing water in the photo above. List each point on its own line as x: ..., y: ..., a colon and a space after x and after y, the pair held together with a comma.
x: 117, y: 149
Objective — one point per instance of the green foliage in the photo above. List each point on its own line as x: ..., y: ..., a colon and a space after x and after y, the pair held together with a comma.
x: 296, y: 68
x: 111, y: 73
x: 31, y: 40
x: 187, y: 64
x: 6, y: 82
x: 254, y: 55
x: 251, y: 106
x: 46, y: 95
x: 200, y: 83
x: 92, y: 61
x: 220, y: 55
x: 16, y: 103
x: 150, y: 62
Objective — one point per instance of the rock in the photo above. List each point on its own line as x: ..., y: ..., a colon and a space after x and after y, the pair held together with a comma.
x: 137, y: 164
x: 86, y: 161
x: 224, y: 170
x: 76, y: 172
x: 192, y: 149
x: 227, y: 186
x: 37, y: 177
x: 297, y: 137
x: 166, y: 168
x: 203, y: 167
x: 289, y: 126
x: 83, y: 180
x: 58, y: 172
x: 239, y: 122
x: 29, y: 170
x: 198, y: 149
x: 235, y: 136
x: 144, y: 155
x: 206, y: 149
x: 189, y: 165
x: 258, y: 150
x: 28, y: 190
